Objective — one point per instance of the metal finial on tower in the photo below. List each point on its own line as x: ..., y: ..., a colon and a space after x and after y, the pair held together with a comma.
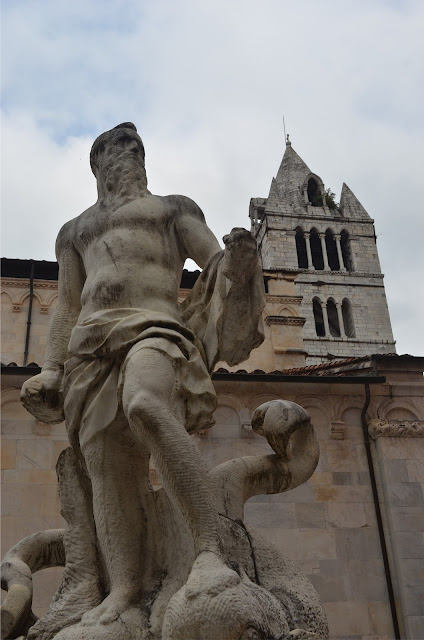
x: 286, y: 135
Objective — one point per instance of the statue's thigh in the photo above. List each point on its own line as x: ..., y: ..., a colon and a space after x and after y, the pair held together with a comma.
x: 149, y: 381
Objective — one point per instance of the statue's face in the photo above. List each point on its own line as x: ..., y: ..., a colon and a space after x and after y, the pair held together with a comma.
x: 123, y: 149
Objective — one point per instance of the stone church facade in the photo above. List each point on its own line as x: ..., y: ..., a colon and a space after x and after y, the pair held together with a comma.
x: 357, y: 527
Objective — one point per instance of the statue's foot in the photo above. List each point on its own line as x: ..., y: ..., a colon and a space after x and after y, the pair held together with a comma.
x: 301, y: 634
x: 209, y: 575
x: 68, y: 607
x: 131, y: 625
x: 244, y: 611
x: 110, y: 609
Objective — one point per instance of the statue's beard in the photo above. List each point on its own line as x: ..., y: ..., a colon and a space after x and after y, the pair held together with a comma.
x: 122, y: 177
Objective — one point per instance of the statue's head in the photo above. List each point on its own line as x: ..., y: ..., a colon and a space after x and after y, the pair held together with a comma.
x: 115, y: 140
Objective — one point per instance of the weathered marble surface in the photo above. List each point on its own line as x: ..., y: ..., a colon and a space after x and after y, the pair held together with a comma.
x: 272, y: 598
x: 130, y: 370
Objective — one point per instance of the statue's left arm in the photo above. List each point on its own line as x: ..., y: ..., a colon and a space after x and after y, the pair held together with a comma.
x: 195, y: 237
x: 224, y: 308
x: 201, y: 245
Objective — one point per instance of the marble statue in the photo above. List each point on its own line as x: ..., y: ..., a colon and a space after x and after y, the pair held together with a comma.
x: 129, y: 369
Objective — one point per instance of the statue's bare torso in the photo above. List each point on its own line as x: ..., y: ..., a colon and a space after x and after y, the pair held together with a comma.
x: 132, y: 255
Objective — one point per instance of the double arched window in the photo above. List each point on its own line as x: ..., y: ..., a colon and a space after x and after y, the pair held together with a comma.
x: 323, y: 251
x: 333, y: 319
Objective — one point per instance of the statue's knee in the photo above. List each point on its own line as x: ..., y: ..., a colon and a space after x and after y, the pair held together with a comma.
x: 142, y: 407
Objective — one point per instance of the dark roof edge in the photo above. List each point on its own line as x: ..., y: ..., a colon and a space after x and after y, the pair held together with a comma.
x: 19, y: 371
x: 242, y: 377
x: 274, y: 377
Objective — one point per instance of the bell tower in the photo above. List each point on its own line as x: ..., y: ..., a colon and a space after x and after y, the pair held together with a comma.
x: 299, y: 227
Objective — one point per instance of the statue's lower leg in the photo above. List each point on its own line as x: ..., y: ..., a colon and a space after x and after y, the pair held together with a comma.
x: 147, y: 403
x: 118, y: 468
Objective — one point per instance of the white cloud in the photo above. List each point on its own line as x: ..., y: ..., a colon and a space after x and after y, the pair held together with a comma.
x: 207, y: 85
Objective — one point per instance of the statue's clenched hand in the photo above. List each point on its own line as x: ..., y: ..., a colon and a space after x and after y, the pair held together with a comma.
x: 41, y: 396
x: 241, y: 255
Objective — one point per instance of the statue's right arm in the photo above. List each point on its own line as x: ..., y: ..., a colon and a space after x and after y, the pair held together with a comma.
x: 41, y: 394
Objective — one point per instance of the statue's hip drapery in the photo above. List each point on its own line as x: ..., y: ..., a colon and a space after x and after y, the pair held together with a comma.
x: 100, y: 348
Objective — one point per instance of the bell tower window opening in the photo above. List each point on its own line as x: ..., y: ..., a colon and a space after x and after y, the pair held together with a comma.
x: 314, y: 193
x: 346, y: 252
x: 348, y: 318
x: 316, y: 250
x: 333, y: 319
x: 302, y: 256
x: 330, y: 244
x: 318, y: 317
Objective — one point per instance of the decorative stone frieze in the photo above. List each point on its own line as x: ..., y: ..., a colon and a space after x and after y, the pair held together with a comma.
x: 285, y: 320
x: 396, y: 428
x: 23, y: 283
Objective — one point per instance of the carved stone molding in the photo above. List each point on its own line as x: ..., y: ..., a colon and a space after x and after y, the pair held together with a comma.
x: 285, y: 320
x: 337, y: 430
x: 284, y: 299
x: 16, y: 307
x: 396, y: 428
x: 22, y: 283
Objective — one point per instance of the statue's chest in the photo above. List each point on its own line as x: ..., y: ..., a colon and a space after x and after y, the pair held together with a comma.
x: 139, y: 217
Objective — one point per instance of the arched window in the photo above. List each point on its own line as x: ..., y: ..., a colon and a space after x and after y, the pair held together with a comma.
x: 333, y: 258
x: 333, y: 318
x: 346, y: 252
x: 314, y: 193
x: 316, y: 250
x: 318, y: 317
x: 302, y: 256
x: 348, y: 318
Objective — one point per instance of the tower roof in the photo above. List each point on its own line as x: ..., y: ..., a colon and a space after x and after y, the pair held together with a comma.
x: 350, y: 205
x: 286, y: 187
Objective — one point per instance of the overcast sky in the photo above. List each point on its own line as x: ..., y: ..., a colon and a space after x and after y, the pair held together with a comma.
x: 207, y: 83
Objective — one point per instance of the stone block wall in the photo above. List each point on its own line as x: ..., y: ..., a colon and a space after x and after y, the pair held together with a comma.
x: 277, y: 244
x: 30, y: 500
x: 366, y: 295
x: 327, y: 526
x: 363, y: 287
x: 399, y: 456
